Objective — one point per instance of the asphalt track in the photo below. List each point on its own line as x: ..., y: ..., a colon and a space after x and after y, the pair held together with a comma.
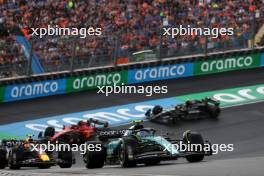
x: 64, y: 104
x: 241, y: 126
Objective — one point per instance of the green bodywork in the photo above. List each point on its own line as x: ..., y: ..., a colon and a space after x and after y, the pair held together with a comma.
x: 113, y: 145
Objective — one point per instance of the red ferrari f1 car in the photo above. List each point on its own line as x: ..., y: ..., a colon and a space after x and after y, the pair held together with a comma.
x: 75, y: 134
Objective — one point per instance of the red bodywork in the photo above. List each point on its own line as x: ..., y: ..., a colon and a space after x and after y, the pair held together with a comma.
x: 84, y: 130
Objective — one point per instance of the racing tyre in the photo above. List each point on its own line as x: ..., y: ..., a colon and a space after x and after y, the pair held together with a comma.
x: 95, y: 159
x: 14, y: 157
x: 67, y: 159
x: 49, y: 132
x: 3, y: 161
x: 125, y: 149
x: 214, y: 111
x: 156, y: 110
x: 194, y: 138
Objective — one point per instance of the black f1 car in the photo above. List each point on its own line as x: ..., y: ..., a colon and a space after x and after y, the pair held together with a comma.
x: 26, y: 153
x: 140, y: 145
x: 190, y: 110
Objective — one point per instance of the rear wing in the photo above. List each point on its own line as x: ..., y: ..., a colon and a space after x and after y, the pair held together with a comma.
x: 212, y: 100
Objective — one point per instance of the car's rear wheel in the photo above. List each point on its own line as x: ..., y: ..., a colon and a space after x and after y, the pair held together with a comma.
x: 95, y: 159
x: 14, y: 157
x: 67, y: 159
x: 194, y: 138
x: 49, y: 132
x: 214, y: 111
x: 3, y: 160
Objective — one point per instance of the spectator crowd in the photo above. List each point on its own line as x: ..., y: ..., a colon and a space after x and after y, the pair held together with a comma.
x: 128, y: 26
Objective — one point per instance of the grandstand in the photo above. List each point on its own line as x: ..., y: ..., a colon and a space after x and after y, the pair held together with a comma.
x: 130, y: 29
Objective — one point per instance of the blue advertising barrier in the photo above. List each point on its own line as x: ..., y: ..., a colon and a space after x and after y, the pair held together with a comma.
x: 160, y: 73
x: 34, y: 90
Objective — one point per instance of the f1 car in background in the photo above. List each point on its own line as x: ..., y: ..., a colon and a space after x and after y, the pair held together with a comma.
x: 190, y: 110
x: 75, y: 134
x: 140, y: 145
x: 27, y: 153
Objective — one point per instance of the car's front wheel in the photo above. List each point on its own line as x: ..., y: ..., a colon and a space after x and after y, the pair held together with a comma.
x: 96, y: 158
x: 126, y: 149
x: 67, y: 159
x: 157, y: 109
x: 197, y: 139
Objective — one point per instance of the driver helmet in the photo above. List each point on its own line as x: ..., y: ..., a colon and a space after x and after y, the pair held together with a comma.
x: 29, y: 138
x: 81, y: 123
x: 188, y: 102
x: 88, y: 122
x: 106, y: 124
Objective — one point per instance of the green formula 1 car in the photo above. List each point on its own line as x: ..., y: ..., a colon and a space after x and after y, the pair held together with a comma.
x: 140, y: 145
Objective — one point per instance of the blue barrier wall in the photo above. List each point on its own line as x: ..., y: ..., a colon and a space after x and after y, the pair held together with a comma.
x: 160, y: 73
x: 35, y: 89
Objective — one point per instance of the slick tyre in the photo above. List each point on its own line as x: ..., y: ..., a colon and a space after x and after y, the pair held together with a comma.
x: 95, y: 159
x: 126, y: 146
x: 214, y: 111
x: 49, y: 132
x: 67, y: 159
x: 194, y: 138
x: 3, y: 160
x: 156, y: 110
x: 15, y: 156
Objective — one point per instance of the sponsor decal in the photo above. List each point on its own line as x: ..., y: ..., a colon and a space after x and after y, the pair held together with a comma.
x: 160, y: 73
x: 227, y: 64
x: 2, y: 94
x: 33, y: 90
x: 231, y: 97
x: 90, y: 82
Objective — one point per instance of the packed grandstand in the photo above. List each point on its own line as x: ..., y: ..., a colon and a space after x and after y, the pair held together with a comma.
x: 129, y: 27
